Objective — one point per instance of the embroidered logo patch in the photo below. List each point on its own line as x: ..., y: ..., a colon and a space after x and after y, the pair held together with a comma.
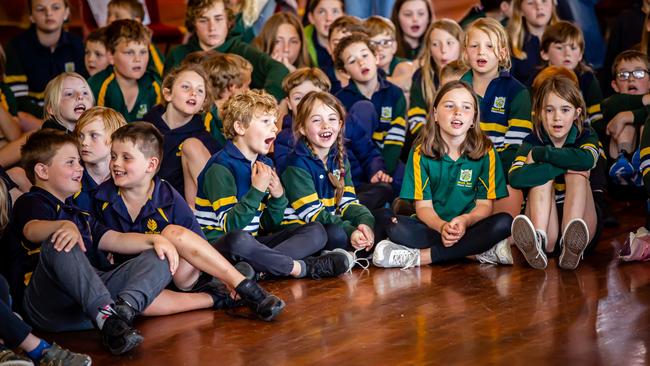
x: 465, y: 178
x: 499, y: 105
x: 142, y: 110
x: 386, y: 113
x: 69, y: 67
x: 152, y: 226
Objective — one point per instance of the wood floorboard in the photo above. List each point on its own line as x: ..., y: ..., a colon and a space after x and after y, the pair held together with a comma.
x: 461, y: 314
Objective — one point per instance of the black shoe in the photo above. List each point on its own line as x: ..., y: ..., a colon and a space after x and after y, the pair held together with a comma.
x: 331, y: 264
x: 125, y: 310
x: 118, y: 336
x: 263, y: 304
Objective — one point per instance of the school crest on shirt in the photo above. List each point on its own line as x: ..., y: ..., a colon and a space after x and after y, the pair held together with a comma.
x: 499, y: 105
x: 386, y: 113
x: 69, y: 67
x: 152, y: 227
x: 465, y: 178
x: 142, y: 110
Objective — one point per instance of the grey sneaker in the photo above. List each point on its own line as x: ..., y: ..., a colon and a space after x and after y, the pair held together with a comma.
x: 391, y: 255
x: 529, y: 242
x: 352, y: 258
x: 9, y: 358
x: 57, y: 356
x: 574, y: 241
x: 498, y: 254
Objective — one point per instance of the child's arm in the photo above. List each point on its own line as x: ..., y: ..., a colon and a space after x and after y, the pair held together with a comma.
x: 275, y: 206
x: 65, y: 234
x: 364, y: 149
x: 351, y: 209
x: 394, y: 139
x: 593, y: 97
x: 136, y: 243
x: 8, y: 115
x: 519, y: 124
x: 417, y: 114
x: 582, y: 158
x: 304, y: 199
x: 525, y: 175
x: 217, y: 206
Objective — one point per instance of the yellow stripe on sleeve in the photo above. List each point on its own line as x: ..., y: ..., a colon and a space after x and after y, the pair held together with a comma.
x: 302, y: 201
x: 520, y: 123
x: 487, y: 126
x: 15, y: 79
x: 593, y: 109
x: 101, y: 98
x: 492, y: 194
x: 418, y: 190
x: 155, y: 57
x: 416, y: 111
x: 400, y: 121
x: 216, y: 205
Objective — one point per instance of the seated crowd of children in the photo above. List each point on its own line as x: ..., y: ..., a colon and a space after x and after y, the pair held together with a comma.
x: 135, y: 184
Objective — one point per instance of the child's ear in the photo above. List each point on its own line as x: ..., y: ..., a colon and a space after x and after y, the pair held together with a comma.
x: 435, y: 114
x: 615, y: 86
x: 167, y: 94
x: 41, y: 171
x: 67, y: 14
x: 152, y: 166
x: 544, y: 55
x: 578, y: 112
x: 50, y: 111
x: 239, y: 128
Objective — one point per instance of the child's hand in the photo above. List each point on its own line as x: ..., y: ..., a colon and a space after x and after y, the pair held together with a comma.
x: 358, y: 239
x: 529, y: 158
x: 261, y: 176
x: 459, y: 224
x: 275, y: 186
x: 381, y: 177
x: 165, y: 249
x: 616, y: 124
x: 283, y: 58
x: 449, y: 235
x: 67, y: 236
x: 368, y: 234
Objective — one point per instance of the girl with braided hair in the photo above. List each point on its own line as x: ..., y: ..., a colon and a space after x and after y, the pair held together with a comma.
x: 317, y: 179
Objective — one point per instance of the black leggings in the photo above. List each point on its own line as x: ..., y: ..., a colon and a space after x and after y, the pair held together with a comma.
x: 13, y: 330
x: 478, y: 238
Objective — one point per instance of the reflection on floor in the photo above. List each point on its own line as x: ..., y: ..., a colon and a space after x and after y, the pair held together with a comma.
x: 462, y: 313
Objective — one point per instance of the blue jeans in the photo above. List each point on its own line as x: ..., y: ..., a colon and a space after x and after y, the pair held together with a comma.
x: 366, y: 8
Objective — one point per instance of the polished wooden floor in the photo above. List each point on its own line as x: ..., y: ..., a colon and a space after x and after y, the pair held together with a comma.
x: 462, y: 313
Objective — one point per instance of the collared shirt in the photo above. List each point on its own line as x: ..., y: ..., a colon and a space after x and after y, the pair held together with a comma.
x: 579, y: 152
x: 84, y: 198
x: 226, y: 200
x: 214, y: 125
x: 39, y: 204
x: 164, y: 207
x: 267, y: 73
x: 171, y: 169
x: 7, y: 100
x: 453, y: 186
x: 312, y: 196
x: 108, y: 93
x: 30, y: 66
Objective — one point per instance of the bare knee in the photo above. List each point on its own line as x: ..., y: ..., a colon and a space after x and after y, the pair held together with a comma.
x: 174, y: 233
x: 192, y: 147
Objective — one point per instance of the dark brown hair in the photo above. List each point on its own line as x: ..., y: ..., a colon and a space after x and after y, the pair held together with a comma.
x: 126, y: 30
x: 265, y: 41
x: 339, y: 63
x: 561, y: 32
x: 134, y: 7
x: 566, y: 89
x: 196, y: 7
x: 144, y: 136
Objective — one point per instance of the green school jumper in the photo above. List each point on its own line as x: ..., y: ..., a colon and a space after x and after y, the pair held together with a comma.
x: 267, y: 73
x: 453, y: 186
x: 108, y: 93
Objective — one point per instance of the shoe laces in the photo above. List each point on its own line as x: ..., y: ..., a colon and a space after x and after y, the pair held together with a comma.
x: 405, y: 258
x: 361, y: 262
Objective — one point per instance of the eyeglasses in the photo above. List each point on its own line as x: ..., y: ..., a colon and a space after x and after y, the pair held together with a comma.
x: 385, y: 43
x: 637, y: 74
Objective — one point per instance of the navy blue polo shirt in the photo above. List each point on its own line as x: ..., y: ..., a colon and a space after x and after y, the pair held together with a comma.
x: 55, y: 125
x: 171, y: 168
x: 39, y: 204
x: 30, y: 66
x: 84, y: 198
x: 523, y: 70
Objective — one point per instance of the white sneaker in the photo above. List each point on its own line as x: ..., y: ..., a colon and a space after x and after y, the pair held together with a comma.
x: 499, y: 254
x: 391, y: 255
x: 529, y: 242
x: 574, y: 241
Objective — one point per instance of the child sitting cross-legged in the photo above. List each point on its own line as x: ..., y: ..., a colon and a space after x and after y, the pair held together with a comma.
x: 137, y: 201
x: 454, y: 175
x: 240, y: 195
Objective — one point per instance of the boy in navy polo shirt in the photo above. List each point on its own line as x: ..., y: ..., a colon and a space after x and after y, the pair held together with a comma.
x: 240, y: 195
x: 68, y: 282
x: 137, y: 201
x: 39, y: 54
x: 357, y: 57
x: 127, y: 86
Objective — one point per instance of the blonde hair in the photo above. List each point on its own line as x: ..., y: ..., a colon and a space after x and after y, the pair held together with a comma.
x: 566, y: 89
x: 498, y: 37
x: 315, y: 75
x: 457, y: 67
x: 307, y: 103
x: 476, y: 143
x: 265, y: 41
x: 517, y: 30
x: 170, y: 79
x: 429, y: 68
x: 111, y: 119
x: 53, y: 95
x: 243, y: 107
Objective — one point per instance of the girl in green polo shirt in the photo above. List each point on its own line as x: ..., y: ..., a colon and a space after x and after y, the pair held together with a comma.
x: 454, y: 175
x: 554, y: 164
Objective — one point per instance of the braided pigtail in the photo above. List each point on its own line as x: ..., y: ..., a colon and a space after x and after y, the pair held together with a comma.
x: 339, y: 182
